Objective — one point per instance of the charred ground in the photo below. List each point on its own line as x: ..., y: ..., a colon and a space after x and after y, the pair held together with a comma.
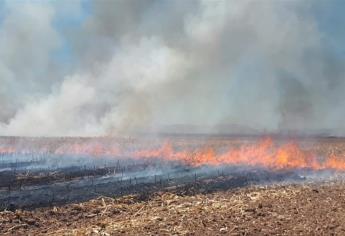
x: 113, y: 199
x: 313, y: 209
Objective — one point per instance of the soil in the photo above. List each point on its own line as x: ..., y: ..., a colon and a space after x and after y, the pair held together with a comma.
x: 293, y: 209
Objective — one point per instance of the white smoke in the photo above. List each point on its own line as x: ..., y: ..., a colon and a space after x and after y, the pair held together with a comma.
x: 26, y: 40
x: 142, y: 65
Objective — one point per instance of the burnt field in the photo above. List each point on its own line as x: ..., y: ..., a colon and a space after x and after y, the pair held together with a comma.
x: 294, y: 209
x: 217, y: 184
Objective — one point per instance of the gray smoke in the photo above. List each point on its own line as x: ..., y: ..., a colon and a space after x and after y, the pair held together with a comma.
x: 148, y: 65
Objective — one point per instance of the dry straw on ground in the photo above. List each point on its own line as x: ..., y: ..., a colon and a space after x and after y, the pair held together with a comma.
x: 285, y: 210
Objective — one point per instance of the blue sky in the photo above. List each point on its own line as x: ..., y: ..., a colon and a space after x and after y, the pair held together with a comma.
x: 68, y: 22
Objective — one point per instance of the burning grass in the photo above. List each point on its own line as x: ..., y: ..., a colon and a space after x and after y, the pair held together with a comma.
x: 193, y: 197
x: 265, y: 152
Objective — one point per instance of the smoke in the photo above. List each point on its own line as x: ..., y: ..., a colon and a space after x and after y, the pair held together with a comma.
x: 147, y: 65
x: 25, y: 33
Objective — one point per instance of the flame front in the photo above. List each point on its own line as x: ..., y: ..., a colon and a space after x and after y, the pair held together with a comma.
x: 264, y: 154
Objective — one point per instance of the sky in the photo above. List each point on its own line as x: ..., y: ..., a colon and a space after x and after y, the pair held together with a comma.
x: 94, y: 68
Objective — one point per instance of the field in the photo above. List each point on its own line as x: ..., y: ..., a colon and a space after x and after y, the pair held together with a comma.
x: 102, y: 192
x: 284, y: 210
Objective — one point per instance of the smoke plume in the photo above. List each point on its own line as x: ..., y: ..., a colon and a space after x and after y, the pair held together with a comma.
x: 143, y: 66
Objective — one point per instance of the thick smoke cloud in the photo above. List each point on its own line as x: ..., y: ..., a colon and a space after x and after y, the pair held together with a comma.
x: 26, y: 39
x: 230, y: 66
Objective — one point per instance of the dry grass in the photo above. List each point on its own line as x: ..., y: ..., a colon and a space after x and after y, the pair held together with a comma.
x: 284, y: 210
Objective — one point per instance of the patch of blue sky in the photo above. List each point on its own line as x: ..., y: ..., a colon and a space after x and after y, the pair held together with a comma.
x: 2, y: 11
x: 330, y: 18
x: 70, y: 16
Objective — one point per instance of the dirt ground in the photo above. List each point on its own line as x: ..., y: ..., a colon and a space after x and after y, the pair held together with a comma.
x: 298, y: 209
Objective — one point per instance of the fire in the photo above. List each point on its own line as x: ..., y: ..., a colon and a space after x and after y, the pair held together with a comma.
x: 334, y: 162
x: 264, y: 154
x: 7, y: 150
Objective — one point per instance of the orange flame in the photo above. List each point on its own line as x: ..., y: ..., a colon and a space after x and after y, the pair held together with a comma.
x: 7, y: 150
x: 264, y: 154
x: 334, y: 162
